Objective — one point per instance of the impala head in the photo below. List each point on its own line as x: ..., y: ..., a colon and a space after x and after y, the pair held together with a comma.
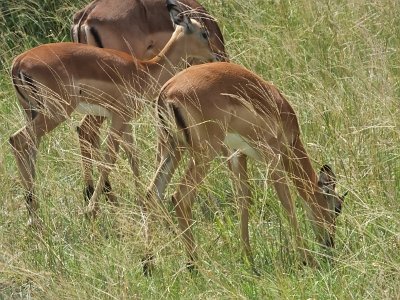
x: 331, y: 203
x: 194, y: 35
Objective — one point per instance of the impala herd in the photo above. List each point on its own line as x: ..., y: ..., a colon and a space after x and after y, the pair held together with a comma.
x: 125, y: 56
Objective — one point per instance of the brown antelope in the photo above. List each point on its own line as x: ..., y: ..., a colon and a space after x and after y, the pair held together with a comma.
x: 207, y: 107
x: 54, y: 80
x: 139, y: 27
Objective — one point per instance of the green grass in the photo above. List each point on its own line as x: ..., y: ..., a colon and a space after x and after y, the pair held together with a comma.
x: 338, y: 63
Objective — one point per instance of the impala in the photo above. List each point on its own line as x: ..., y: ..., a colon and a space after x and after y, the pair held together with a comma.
x: 208, y: 107
x: 139, y: 27
x: 54, y: 80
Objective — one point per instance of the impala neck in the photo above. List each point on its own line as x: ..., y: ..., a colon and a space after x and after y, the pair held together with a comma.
x: 304, y: 175
x: 168, y: 62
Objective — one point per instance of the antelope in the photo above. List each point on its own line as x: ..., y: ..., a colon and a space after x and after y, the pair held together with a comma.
x: 208, y: 107
x: 139, y: 27
x: 54, y: 80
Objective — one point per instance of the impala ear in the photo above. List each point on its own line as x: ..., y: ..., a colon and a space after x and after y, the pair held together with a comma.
x: 327, y: 179
x: 178, y: 16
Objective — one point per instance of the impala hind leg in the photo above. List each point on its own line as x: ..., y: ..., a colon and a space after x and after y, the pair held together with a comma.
x: 183, y: 200
x: 24, y: 148
x: 89, y: 142
x: 25, y: 143
x: 168, y: 158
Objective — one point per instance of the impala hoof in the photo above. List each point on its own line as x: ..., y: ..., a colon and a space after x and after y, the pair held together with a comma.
x: 256, y: 272
x: 191, y: 267
x: 91, y: 213
x: 310, y: 262
x: 88, y: 192
x: 111, y: 198
x: 34, y: 223
x: 148, y: 265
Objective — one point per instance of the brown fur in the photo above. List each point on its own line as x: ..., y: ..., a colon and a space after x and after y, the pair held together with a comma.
x: 221, y: 101
x: 67, y: 75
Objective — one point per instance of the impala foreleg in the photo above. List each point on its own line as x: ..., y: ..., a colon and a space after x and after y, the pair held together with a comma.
x: 238, y: 165
x: 113, y: 141
x: 89, y: 142
x: 279, y: 179
x: 129, y: 147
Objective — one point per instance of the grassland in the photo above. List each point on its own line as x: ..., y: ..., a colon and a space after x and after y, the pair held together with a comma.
x: 337, y: 61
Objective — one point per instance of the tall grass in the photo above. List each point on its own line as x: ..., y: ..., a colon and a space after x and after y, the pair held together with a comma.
x: 337, y: 62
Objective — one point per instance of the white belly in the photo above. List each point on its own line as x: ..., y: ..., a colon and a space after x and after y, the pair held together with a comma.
x: 236, y: 142
x: 92, y: 109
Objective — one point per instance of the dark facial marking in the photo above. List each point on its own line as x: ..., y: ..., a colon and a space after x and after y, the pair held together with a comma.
x: 96, y: 37
x: 180, y: 121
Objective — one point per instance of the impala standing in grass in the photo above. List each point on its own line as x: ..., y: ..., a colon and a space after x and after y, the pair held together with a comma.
x: 54, y: 80
x: 138, y: 27
x: 207, y: 107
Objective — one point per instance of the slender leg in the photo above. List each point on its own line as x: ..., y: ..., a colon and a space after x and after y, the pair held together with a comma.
x: 25, y: 144
x: 113, y: 140
x: 89, y: 142
x: 183, y: 200
x: 299, y: 166
x: 129, y: 147
x: 168, y: 158
x: 278, y: 177
x: 239, y: 169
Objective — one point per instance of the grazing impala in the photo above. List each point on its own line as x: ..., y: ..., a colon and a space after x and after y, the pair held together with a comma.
x: 207, y: 106
x: 139, y: 27
x: 54, y: 80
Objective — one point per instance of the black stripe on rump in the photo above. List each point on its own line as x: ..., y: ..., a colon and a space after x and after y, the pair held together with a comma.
x: 96, y: 37
x: 180, y: 121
